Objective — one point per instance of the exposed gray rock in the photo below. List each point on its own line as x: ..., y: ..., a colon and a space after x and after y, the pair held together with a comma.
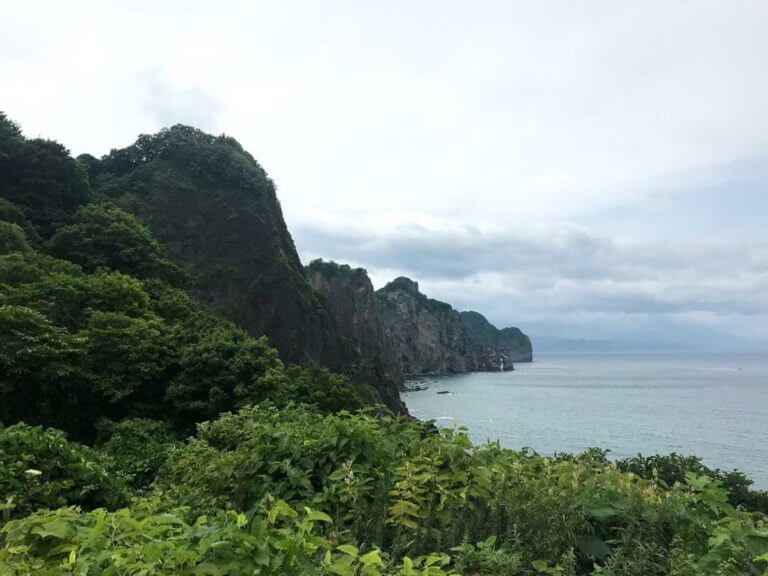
x: 402, y: 332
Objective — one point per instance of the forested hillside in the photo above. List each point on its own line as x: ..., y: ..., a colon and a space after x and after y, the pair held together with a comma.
x: 144, y: 433
x: 215, y: 211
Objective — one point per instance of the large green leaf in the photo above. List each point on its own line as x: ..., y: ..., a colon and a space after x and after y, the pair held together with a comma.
x: 592, y: 546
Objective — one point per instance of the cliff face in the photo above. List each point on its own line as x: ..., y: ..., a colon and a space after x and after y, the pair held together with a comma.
x: 349, y: 297
x: 432, y: 337
x: 510, y: 344
x: 215, y: 209
x: 403, y: 332
x: 428, y: 335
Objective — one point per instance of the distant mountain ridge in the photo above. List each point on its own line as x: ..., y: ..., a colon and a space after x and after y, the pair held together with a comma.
x: 409, y: 333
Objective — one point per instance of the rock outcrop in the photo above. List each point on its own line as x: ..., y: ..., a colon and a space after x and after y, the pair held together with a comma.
x: 402, y: 332
x: 428, y: 335
x: 432, y: 337
x: 510, y: 344
x: 349, y: 297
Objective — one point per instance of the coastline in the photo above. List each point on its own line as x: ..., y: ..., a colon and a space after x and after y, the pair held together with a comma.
x: 628, y: 404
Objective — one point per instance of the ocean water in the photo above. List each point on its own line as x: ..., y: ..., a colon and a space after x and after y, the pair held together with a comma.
x: 714, y: 407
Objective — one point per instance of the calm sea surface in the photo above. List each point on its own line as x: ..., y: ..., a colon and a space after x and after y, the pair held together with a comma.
x: 715, y: 407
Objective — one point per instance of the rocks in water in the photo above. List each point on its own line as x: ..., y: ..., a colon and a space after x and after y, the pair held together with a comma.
x: 414, y: 388
x: 416, y: 384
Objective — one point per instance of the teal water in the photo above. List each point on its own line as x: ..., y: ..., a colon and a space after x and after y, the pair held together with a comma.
x: 714, y: 407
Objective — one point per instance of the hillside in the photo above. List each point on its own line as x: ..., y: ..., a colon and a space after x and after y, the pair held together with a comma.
x: 143, y: 433
x: 515, y: 344
x: 216, y: 212
x: 95, y: 318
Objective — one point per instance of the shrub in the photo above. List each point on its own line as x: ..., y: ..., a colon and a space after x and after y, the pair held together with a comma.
x: 40, y: 468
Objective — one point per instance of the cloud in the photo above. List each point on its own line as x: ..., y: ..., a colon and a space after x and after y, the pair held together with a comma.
x: 167, y: 103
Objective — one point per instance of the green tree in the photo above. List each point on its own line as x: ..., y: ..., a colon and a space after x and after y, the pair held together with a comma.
x: 63, y: 293
x: 10, y: 212
x: 43, y: 371
x: 12, y: 239
x: 220, y: 371
x: 43, y: 179
x: 106, y: 236
x: 315, y: 385
x: 129, y: 359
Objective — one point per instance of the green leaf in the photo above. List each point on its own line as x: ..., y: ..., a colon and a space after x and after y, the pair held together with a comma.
x: 592, y: 546
x: 372, y: 558
x: 207, y: 569
x: 285, y: 510
x: 56, y: 529
x: 347, y: 549
x: 317, y: 516
x: 341, y: 569
x: 261, y: 558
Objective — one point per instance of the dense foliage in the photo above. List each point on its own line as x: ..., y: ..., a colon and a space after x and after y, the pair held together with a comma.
x: 141, y: 434
x: 94, y: 317
x: 292, y: 491
x: 103, y: 236
x: 671, y: 468
x: 42, y: 469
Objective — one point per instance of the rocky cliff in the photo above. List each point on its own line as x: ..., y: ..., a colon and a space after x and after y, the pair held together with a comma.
x: 215, y: 209
x: 403, y: 332
x: 510, y: 344
x: 432, y: 337
x: 349, y: 297
x: 429, y: 335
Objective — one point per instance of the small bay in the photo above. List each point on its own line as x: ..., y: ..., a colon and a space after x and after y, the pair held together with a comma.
x: 711, y: 406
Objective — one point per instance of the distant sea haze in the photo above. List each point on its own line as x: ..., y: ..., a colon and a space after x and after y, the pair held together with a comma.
x: 711, y: 406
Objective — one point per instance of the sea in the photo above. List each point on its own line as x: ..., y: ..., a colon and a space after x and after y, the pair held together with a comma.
x: 711, y: 406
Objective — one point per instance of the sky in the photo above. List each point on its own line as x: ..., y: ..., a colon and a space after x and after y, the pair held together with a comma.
x: 593, y: 169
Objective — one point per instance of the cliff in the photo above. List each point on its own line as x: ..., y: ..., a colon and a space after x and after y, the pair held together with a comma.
x: 349, y: 297
x: 511, y: 344
x: 432, y: 337
x: 401, y: 331
x: 216, y: 210
x: 428, y: 335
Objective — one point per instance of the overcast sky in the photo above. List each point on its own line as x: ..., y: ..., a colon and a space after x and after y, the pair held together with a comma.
x: 580, y: 169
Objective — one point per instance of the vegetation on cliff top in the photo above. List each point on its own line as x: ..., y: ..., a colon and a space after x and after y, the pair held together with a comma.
x: 485, y: 333
x: 185, y: 446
